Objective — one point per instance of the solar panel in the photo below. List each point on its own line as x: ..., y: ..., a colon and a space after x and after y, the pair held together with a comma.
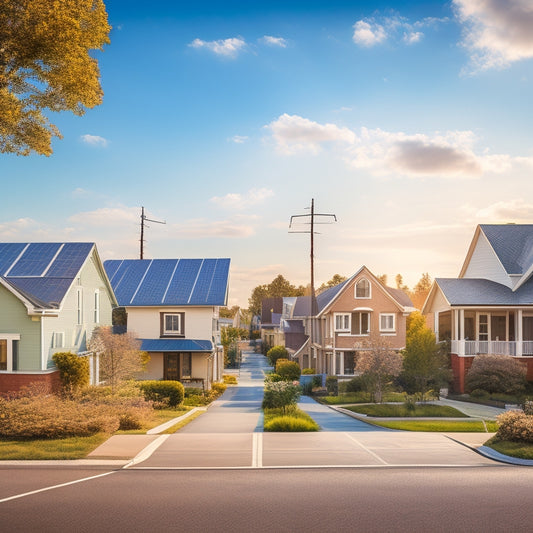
x: 182, y: 282
x: 9, y: 251
x: 203, y: 282
x: 35, y: 259
x: 127, y: 279
x: 50, y: 291
x: 69, y: 260
x: 111, y: 266
x: 219, y: 286
x: 154, y: 284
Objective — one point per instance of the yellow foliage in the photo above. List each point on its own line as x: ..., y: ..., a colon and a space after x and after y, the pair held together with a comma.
x: 45, y: 64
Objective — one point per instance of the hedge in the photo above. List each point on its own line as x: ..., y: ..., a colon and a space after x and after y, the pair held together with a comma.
x: 165, y: 393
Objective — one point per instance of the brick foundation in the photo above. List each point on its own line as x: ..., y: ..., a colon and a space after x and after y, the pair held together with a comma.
x: 15, y: 381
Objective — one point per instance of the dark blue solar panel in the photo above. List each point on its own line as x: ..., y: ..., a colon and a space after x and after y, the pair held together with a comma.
x: 69, y: 260
x: 182, y: 282
x: 203, y: 283
x: 219, y: 286
x: 35, y: 259
x: 50, y: 291
x: 154, y: 285
x: 111, y: 266
x: 9, y: 251
x: 127, y: 279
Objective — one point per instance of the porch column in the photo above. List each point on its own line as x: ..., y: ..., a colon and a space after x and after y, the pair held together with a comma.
x: 97, y: 369
x: 461, y: 332
x: 519, y: 333
x: 436, y: 324
x: 91, y: 369
x: 341, y: 358
x: 333, y: 363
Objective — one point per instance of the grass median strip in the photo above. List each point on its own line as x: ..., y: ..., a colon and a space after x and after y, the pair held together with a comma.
x: 400, y: 410
x: 290, y: 419
x: 442, y: 426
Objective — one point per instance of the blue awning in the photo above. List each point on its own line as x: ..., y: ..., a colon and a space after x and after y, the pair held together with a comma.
x: 176, y: 345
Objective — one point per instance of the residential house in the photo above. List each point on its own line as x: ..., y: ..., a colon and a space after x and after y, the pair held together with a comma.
x: 348, y: 316
x: 52, y: 296
x: 172, y: 306
x: 488, y: 309
x: 271, y: 330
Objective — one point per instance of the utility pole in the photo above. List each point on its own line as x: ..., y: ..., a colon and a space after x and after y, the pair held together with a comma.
x: 143, y: 220
x: 311, y: 221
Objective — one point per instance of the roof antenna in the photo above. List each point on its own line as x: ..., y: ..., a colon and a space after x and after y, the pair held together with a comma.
x: 143, y: 219
x: 311, y: 231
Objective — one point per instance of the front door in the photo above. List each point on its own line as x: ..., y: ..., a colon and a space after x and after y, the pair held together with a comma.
x: 171, y: 369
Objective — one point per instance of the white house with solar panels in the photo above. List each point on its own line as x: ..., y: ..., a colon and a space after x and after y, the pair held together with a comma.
x: 172, y: 306
x: 52, y: 296
x: 489, y: 308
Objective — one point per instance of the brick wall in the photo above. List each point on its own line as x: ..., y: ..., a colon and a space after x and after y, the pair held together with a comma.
x: 14, y: 382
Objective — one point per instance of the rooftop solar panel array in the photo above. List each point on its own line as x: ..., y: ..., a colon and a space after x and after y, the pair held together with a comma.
x: 42, y: 272
x: 155, y: 282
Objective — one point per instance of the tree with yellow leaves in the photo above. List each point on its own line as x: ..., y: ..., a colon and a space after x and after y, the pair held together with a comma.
x: 45, y: 64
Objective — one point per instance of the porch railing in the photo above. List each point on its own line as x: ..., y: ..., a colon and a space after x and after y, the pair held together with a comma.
x: 511, y: 348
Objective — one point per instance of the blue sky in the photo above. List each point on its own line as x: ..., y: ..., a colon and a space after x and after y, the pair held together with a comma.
x: 411, y: 121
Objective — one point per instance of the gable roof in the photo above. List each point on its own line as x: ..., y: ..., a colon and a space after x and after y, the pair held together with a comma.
x: 169, y: 282
x: 42, y: 273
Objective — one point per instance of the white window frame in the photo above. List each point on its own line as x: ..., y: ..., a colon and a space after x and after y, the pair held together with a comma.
x: 361, y: 313
x: 9, y: 338
x: 178, y: 331
x: 387, y: 316
x: 79, y: 306
x: 369, y: 289
x: 59, y: 339
x: 345, y: 322
x: 96, y: 306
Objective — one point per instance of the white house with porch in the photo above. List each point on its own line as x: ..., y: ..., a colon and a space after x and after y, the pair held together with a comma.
x: 489, y: 308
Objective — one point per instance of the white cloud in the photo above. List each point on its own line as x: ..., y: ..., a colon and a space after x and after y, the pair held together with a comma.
x: 412, y: 37
x: 108, y: 217
x: 293, y: 133
x: 79, y: 192
x: 506, y: 211
x: 368, y: 33
x: 239, y: 139
x: 223, y: 47
x: 94, y: 140
x: 233, y: 228
x: 497, y: 32
x: 274, y: 41
x: 241, y: 201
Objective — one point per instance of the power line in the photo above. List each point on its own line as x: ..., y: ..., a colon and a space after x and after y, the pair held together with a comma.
x: 144, y: 219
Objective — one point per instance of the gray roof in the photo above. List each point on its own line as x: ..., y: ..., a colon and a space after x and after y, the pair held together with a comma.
x: 476, y: 292
x: 513, y: 244
x: 399, y: 296
x: 324, y: 298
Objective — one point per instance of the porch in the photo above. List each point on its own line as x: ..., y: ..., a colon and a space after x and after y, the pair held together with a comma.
x: 513, y: 348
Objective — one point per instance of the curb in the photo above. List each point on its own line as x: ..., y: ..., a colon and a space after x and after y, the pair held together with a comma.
x: 170, y: 423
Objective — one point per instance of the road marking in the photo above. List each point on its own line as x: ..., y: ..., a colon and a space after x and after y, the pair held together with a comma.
x: 54, y: 487
x: 367, y: 450
x: 257, y: 450
x: 148, y: 451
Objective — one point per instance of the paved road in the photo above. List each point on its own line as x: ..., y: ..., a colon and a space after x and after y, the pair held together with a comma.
x: 230, y: 435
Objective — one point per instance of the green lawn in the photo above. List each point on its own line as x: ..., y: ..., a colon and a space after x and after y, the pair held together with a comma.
x: 442, y: 426
x: 521, y: 450
x: 291, y: 412
x: 360, y: 397
x: 400, y: 410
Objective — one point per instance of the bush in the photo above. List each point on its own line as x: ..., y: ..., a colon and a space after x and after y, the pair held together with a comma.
x: 229, y: 379
x: 275, y: 353
x: 356, y: 384
x: 163, y: 393
x: 515, y: 426
x: 480, y: 393
x: 288, y: 370
x: 273, y: 378
x: 218, y: 388
x: 332, y: 385
x: 290, y: 423
x: 307, y: 371
x: 73, y: 371
x: 280, y: 395
x: 496, y: 373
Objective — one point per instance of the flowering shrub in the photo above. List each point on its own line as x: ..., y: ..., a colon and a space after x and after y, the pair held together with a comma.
x: 515, y: 426
x: 280, y: 394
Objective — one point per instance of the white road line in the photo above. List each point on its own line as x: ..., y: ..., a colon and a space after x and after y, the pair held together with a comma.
x: 54, y: 487
x: 367, y: 450
x: 148, y: 451
x: 312, y: 467
x: 257, y: 450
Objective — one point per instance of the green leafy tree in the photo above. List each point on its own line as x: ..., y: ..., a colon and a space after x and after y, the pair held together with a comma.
x: 400, y: 284
x: 425, y: 364
x: 382, y: 279
x: 46, y: 64
x: 278, y: 287
x: 228, y: 312
x: 335, y: 280
x: 421, y: 290
x: 73, y: 371
x: 379, y: 364
x: 288, y: 370
x: 280, y: 395
x: 275, y: 353
x: 228, y: 336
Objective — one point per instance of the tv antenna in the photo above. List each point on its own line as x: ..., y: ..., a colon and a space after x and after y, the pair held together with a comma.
x: 144, y: 219
x: 311, y: 217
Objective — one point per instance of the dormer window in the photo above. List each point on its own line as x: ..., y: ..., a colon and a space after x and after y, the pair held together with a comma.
x: 362, y: 288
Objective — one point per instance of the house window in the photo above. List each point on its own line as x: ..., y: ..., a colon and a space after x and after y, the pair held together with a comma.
x: 59, y: 340
x: 96, y: 306
x: 79, y: 306
x: 362, y: 289
x: 361, y: 323
x: 342, y: 322
x: 172, y: 324
x: 9, y: 351
x: 3, y: 354
x: 387, y: 323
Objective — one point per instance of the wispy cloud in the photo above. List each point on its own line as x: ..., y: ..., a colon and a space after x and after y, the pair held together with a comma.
x: 449, y: 154
x: 293, y: 133
x: 368, y: 33
x: 94, y: 140
x: 412, y: 37
x: 274, y: 41
x: 239, y: 139
x: 223, y: 47
x: 241, y: 201
x: 516, y: 210
x: 108, y: 217
x: 497, y: 32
